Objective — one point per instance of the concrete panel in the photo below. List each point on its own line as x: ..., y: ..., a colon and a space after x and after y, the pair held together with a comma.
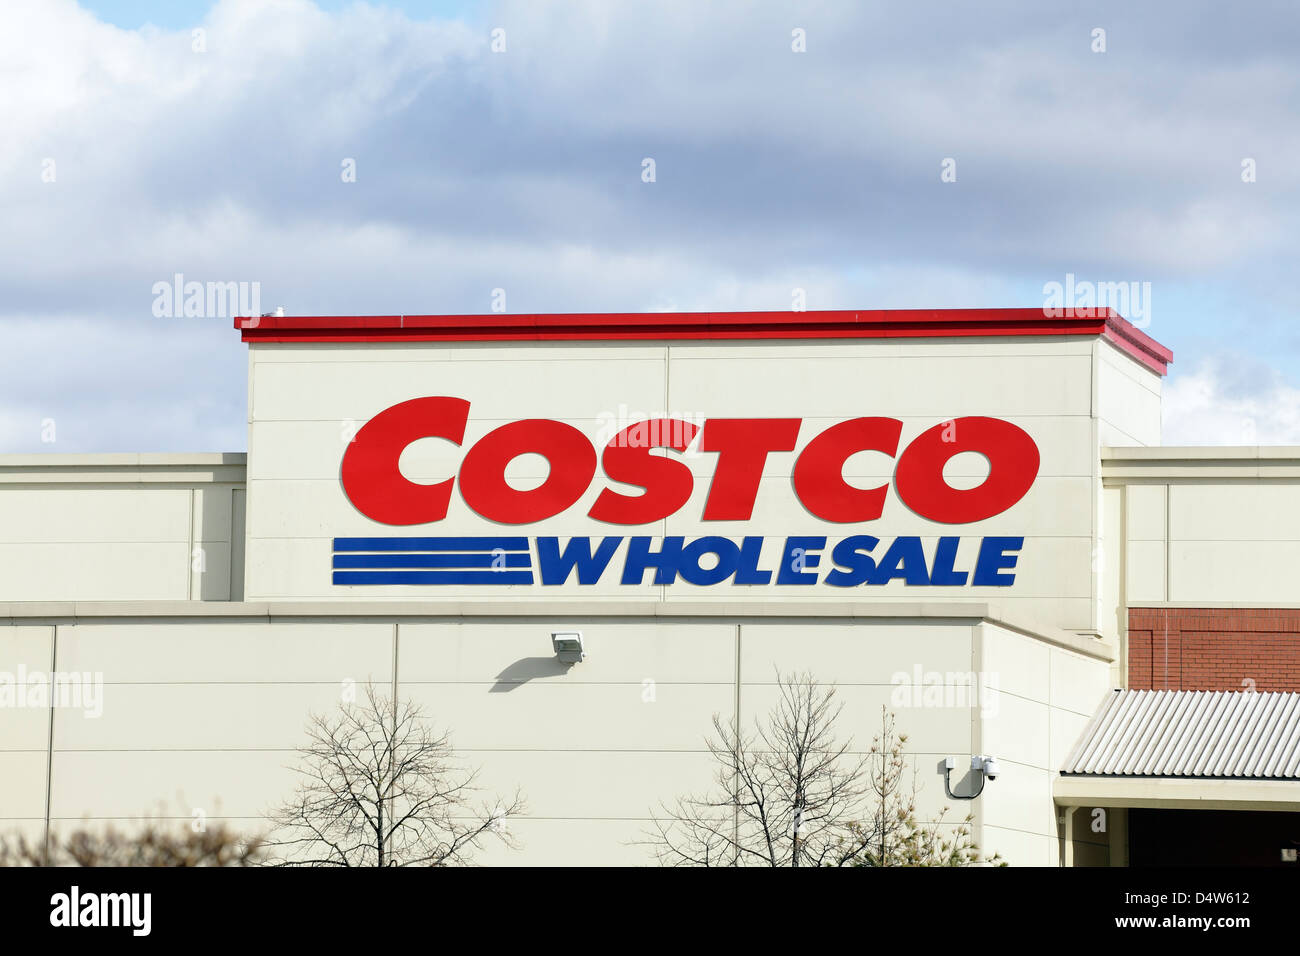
x: 1145, y: 571
x: 1015, y: 731
x: 1146, y: 512
x: 99, y: 571
x: 1078, y: 683
x: 1066, y: 729
x: 26, y: 647
x: 93, y: 515
x: 511, y: 653
x: 1234, y: 571
x: 1020, y: 799
x: 942, y: 385
x: 1016, y: 664
x: 247, y: 651
x: 15, y: 828
x: 867, y: 652
x: 210, y: 571
x: 590, y: 785
x: 24, y: 702
x: 24, y: 726
x: 1018, y: 848
x: 502, y: 390
x: 1204, y: 512
x: 198, y: 717
x: 23, y: 793
x: 1112, y: 612
x: 1128, y: 400
x: 237, y: 783
x: 555, y: 716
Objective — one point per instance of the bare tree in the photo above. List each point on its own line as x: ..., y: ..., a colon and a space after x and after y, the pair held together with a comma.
x: 891, y: 834
x: 156, y: 844
x: 784, y: 794
x: 382, y: 787
x: 792, y: 793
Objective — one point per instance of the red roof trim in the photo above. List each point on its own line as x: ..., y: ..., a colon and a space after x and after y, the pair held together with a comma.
x: 604, y: 326
x: 1134, y: 342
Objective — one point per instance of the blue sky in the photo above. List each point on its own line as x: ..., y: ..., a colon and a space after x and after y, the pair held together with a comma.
x: 136, y: 150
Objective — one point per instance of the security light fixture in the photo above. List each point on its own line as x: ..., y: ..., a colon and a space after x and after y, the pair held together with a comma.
x: 568, y: 646
x: 987, y: 768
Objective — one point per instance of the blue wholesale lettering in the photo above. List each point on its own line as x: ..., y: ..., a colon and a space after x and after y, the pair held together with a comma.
x: 713, y: 560
x: 861, y: 560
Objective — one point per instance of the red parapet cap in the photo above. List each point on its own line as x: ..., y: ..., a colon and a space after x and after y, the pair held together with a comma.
x: 612, y: 326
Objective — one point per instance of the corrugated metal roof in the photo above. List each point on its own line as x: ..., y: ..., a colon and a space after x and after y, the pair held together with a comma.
x: 1179, y: 733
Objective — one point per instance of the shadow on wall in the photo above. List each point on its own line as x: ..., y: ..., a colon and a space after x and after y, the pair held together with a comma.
x: 963, y: 788
x: 527, y: 668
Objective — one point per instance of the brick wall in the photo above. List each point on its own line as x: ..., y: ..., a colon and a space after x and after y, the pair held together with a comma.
x: 1214, y: 649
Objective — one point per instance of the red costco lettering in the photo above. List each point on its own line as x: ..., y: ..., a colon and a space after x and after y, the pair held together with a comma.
x: 742, y: 445
x: 668, y: 484
x: 1013, y: 466
x: 370, y: 476
x: 483, y: 475
x: 819, y: 472
x: 373, y: 483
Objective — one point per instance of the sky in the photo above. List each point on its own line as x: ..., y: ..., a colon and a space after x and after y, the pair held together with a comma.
x: 352, y: 158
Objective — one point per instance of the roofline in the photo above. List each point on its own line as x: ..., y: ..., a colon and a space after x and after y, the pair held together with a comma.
x: 972, y: 612
x: 650, y: 326
x: 119, y: 459
x: 1163, y: 464
x: 1176, y: 793
x: 1200, y: 452
x: 123, y: 468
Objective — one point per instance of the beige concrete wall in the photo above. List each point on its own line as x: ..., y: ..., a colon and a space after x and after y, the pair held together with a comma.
x: 594, y: 747
x: 119, y: 527
x: 1128, y: 399
x: 1209, y: 526
x: 1046, y: 696
x: 1112, y: 597
x: 203, y: 715
x: 199, y: 716
x: 24, y: 731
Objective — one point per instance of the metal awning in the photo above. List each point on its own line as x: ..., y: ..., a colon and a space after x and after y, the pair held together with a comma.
x: 1191, y: 734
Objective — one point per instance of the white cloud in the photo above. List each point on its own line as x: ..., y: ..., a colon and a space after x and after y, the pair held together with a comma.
x: 1231, y: 401
x: 522, y: 170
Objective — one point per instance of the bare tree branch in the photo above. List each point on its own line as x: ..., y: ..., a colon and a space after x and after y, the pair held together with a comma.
x: 381, y: 787
x: 791, y: 793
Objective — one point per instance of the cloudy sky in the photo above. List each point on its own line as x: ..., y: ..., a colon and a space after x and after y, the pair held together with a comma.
x: 136, y: 148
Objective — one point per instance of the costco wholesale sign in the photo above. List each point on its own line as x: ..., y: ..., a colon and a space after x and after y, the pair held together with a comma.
x: 641, y: 456
x: 824, y: 458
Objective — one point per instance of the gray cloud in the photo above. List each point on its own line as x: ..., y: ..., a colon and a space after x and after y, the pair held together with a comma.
x: 522, y: 170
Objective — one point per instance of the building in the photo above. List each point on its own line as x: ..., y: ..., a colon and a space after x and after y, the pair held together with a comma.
x: 963, y: 515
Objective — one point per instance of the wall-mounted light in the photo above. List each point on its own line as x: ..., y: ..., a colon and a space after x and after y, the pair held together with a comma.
x: 986, y: 767
x: 568, y: 646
